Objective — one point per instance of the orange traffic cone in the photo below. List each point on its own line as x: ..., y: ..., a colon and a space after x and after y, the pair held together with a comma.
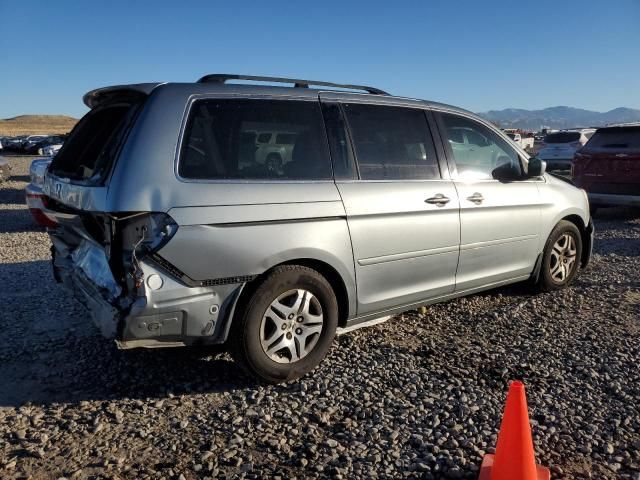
x: 514, y: 458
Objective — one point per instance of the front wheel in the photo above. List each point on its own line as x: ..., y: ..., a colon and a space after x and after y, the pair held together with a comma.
x: 561, y: 257
x: 287, y: 326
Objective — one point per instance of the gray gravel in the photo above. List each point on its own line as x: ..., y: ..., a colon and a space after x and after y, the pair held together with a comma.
x: 418, y: 397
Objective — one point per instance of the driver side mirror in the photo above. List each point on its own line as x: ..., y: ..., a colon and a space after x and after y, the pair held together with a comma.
x: 537, y: 167
x: 507, y: 172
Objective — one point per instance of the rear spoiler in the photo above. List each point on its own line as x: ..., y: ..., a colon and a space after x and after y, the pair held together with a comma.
x: 107, y: 94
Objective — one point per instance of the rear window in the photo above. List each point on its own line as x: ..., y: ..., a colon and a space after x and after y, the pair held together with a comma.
x: 616, y: 138
x: 562, y: 137
x: 220, y: 141
x: 89, y: 151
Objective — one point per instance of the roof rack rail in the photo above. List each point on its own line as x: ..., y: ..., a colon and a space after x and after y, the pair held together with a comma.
x: 297, y: 83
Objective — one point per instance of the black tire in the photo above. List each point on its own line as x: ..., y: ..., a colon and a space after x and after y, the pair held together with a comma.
x: 245, y: 335
x: 547, y: 281
x: 273, y: 162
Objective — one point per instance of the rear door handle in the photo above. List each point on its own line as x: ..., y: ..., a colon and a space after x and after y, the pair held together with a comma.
x: 476, y: 198
x: 438, y: 199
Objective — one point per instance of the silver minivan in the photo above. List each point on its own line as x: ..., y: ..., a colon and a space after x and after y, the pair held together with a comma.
x: 174, y: 230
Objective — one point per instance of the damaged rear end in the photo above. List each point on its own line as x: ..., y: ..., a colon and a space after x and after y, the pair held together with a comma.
x: 103, y: 252
x: 101, y: 259
x: 93, y: 252
x: 110, y: 190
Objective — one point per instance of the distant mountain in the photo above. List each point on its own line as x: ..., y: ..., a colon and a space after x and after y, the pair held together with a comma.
x: 559, y: 117
x: 36, y: 124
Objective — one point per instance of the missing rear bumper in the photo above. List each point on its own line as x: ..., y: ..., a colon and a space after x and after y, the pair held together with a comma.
x: 162, y: 312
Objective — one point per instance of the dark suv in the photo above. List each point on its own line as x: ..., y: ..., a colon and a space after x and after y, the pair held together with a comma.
x: 608, y: 166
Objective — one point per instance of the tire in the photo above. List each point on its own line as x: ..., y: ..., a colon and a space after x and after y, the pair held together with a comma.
x: 561, y: 260
x: 284, y: 311
x: 273, y: 162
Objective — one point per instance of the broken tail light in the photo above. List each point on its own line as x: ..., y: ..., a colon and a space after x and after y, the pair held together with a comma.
x: 146, y: 233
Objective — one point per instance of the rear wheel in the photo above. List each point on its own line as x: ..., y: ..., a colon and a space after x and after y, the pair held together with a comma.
x: 561, y: 258
x: 287, y: 325
x: 274, y: 162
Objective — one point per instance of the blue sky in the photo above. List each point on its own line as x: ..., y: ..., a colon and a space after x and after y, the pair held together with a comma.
x: 476, y: 54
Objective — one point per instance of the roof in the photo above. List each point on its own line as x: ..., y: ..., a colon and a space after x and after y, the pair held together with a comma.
x: 216, y: 83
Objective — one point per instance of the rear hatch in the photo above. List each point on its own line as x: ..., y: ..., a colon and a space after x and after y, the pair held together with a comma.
x: 560, y: 145
x: 96, y: 252
x: 610, y: 162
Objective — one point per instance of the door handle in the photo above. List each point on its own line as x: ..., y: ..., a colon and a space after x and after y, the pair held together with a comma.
x: 438, y: 199
x: 476, y: 198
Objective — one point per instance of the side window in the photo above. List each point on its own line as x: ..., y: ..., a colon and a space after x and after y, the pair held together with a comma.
x: 392, y: 143
x: 481, y: 153
x: 231, y: 139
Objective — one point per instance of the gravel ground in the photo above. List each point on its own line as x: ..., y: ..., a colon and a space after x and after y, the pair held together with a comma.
x: 419, y: 396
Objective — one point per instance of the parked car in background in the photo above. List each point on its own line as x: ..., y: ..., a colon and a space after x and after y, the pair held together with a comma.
x: 36, y: 148
x: 5, y: 169
x: 50, y: 150
x: 13, y: 144
x: 559, y: 147
x: 608, y: 166
x: 386, y: 204
x: 520, y: 139
x: 35, y: 198
x: 31, y: 140
x: 274, y: 149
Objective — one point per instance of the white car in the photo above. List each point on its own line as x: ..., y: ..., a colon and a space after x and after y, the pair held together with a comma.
x: 50, y: 150
x: 557, y: 148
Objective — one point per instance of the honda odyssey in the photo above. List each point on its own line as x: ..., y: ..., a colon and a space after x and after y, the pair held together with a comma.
x: 173, y: 229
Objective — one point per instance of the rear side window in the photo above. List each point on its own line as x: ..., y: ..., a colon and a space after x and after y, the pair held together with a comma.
x: 92, y: 146
x: 392, y: 143
x: 562, y: 137
x: 225, y: 139
x: 616, y: 138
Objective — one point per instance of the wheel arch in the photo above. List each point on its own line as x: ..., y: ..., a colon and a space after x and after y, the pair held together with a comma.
x: 585, y: 234
x: 327, y: 270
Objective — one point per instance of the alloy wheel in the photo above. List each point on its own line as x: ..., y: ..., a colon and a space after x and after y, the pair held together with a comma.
x: 563, y: 258
x: 291, y: 326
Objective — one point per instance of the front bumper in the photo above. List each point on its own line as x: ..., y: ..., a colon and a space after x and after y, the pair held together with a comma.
x: 605, y: 199
x: 164, y: 312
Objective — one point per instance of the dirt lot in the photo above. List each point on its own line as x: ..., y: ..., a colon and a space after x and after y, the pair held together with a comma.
x: 417, y: 397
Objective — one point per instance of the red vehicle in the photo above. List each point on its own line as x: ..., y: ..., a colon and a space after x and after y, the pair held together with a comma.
x: 608, y: 167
